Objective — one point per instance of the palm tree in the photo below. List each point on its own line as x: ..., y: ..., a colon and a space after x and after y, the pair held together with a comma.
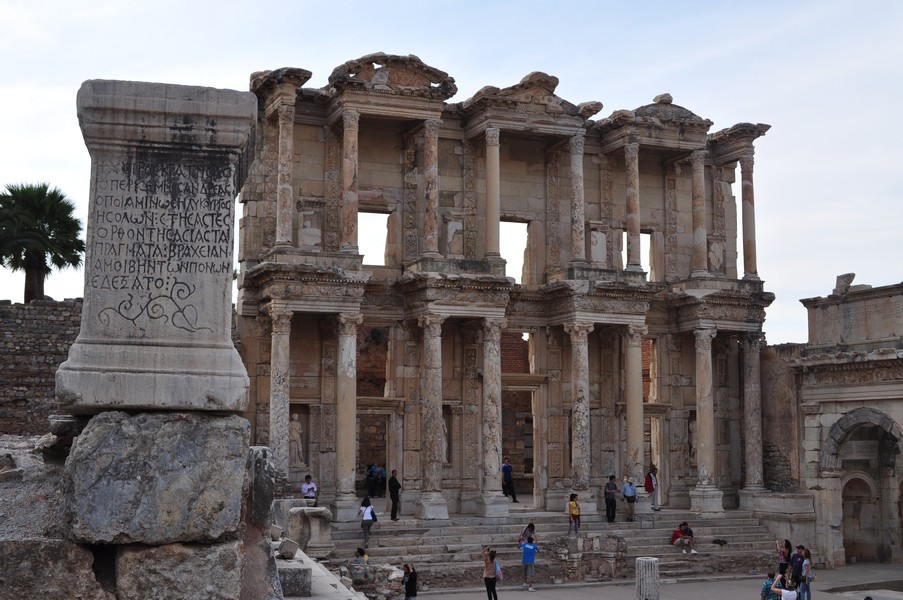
x: 37, y: 224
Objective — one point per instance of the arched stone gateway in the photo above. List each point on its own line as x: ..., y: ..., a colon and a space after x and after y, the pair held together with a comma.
x: 890, y: 448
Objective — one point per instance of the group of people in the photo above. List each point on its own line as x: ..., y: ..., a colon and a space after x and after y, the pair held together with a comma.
x: 368, y: 513
x: 492, y: 569
x: 795, y: 574
x: 682, y: 536
x: 376, y: 481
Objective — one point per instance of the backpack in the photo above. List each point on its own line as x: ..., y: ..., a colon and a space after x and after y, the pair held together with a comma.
x: 498, y: 571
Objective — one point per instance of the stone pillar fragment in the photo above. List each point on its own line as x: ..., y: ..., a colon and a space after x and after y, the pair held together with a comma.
x: 632, y: 157
x: 433, y: 440
x: 705, y: 498
x: 492, y: 503
x: 285, y: 206
x: 166, y: 164
x: 578, y: 218
x: 350, y: 121
x: 431, y: 183
x: 647, y: 581
x: 346, y: 418
x: 280, y: 376
x: 493, y: 192
x: 700, y: 261
x: 580, y: 443
x: 750, y: 268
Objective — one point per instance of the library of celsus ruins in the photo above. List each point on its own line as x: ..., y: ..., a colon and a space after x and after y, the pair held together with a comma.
x: 630, y: 337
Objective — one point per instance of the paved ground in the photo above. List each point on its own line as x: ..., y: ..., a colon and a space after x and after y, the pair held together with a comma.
x: 828, y: 585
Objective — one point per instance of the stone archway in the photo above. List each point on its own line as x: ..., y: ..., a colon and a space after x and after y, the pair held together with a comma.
x: 829, y: 459
x: 861, y: 524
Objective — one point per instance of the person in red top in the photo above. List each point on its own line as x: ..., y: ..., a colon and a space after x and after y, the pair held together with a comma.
x: 683, y: 536
x: 651, y: 486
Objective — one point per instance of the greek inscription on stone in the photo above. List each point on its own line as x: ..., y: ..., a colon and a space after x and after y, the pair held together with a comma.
x: 161, y: 229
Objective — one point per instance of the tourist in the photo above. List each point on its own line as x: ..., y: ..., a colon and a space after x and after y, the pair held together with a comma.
x: 784, y: 553
x: 528, y: 532
x: 361, y: 557
x: 651, y: 486
x: 395, y: 495
x: 508, y: 480
x: 309, y: 490
x: 490, y: 567
x: 789, y: 588
x: 381, y: 478
x: 796, y: 566
x: 372, y: 478
x: 683, y: 536
x: 766, y: 592
x: 574, y: 515
x: 528, y: 559
x: 409, y: 581
x: 806, y: 580
x: 368, y: 518
x: 611, y: 498
x: 629, y: 494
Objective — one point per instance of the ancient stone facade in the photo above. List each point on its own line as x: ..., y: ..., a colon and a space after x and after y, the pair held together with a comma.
x: 382, y: 137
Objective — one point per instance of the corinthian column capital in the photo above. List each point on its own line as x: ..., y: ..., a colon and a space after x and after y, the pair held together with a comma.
x: 349, y: 322
x: 576, y: 143
x: 704, y: 337
x: 350, y: 118
x: 492, y: 329
x: 635, y: 334
x: 578, y: 331
x: 280, y: 320
x: 431, y: 324
x: 492, y: 136
x: 431, y: 127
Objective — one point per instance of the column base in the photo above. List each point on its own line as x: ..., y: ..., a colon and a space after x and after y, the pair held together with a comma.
x: 707, y: 501
x: 751, y: 277
x: 588, y: 501
x: 345, y: 508
x: 700, y: 274
x: 643, y: 504
x: 747, y: 496
x: 492, y: 504
x: 432, y: 506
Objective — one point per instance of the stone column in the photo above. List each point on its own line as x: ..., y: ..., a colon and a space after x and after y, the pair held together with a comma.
x: 285, y: 118
x: 493, y: 192
x: 580, y: 444
x: 752, y: 414
x: 699, y: 264
x: 350, y: 120
x: 647, y: 581
x: 279, y: 388
x: 492, y: 503
x: 432, y: 502
x: 431, y: 183
x: 634, y: 376
x: 632, y: 157
x: 750, y: 269
x: 346, y: 504
x: 705, y: 498
x: 578, y: 219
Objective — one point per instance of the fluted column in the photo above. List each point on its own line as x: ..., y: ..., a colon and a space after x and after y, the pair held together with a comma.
x: 431, y: 183
x: 350, y: 120
x: 285, y: 119
x: 705, y: 410
x: 700, y: 264
x: 346, y: 405
x: 752, y: 411
x: 279, y: 388
x: 433, y: 505
x: 578, y: 219
x: 492, y: 502
x: 580, y: 445
x: 632, y: 159
x: 750, y: 269
x: 634, y: 376
x: 493, y: 192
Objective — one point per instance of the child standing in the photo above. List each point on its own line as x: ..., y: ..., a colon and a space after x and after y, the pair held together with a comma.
x: 574, y: 515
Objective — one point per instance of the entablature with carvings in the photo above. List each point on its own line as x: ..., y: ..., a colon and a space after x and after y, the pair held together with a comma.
x: 455, y: 295
x: 304, y: 288
x: 733, y: 143
x: 725, y: 310
x: 661, y: 125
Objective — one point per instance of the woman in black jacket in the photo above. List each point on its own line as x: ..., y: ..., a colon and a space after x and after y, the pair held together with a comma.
x: 410, y: 582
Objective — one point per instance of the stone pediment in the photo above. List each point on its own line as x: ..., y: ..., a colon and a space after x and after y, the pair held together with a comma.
x: 396, y: 75
x: 534, y: 93
x: 660, y: 124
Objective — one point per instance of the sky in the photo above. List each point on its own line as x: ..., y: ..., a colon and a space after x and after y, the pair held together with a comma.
x: 827, y: 75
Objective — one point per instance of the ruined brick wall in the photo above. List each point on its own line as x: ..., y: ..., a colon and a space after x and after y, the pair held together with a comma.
x: 34, y: 340
x: 515, y: 353
x: 780, y: 418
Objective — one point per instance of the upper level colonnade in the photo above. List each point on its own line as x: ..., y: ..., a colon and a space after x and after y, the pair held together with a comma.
x: 382, y: 137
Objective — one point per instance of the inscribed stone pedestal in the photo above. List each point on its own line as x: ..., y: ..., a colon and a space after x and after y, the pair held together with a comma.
x: 166, y: 164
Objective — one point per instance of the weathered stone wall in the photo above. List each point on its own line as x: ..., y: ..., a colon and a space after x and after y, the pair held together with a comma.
x: 34, y: 340
x: 780, y: 419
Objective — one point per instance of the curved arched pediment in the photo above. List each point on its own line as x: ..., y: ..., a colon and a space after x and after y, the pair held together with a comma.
x: 829, y: 458
x: 537, y: 89
x: 665, y: 111
x: 391, y: 74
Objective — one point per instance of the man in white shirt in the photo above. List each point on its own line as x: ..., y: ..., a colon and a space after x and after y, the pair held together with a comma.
x: 310, y: 491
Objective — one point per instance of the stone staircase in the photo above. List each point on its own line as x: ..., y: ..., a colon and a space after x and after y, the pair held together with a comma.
x: 447, y: 553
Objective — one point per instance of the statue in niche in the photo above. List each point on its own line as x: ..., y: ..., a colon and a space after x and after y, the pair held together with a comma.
x: 295, y: 457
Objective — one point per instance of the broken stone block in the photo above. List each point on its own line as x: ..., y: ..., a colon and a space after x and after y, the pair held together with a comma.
x: 287, y: 549
x: 209, y: 571
x: 259, y: 578
x: 49, y: 569
x: 295, y: 577
x: 275, y: 533
x: 310, y: 526
x: 157, y: 478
